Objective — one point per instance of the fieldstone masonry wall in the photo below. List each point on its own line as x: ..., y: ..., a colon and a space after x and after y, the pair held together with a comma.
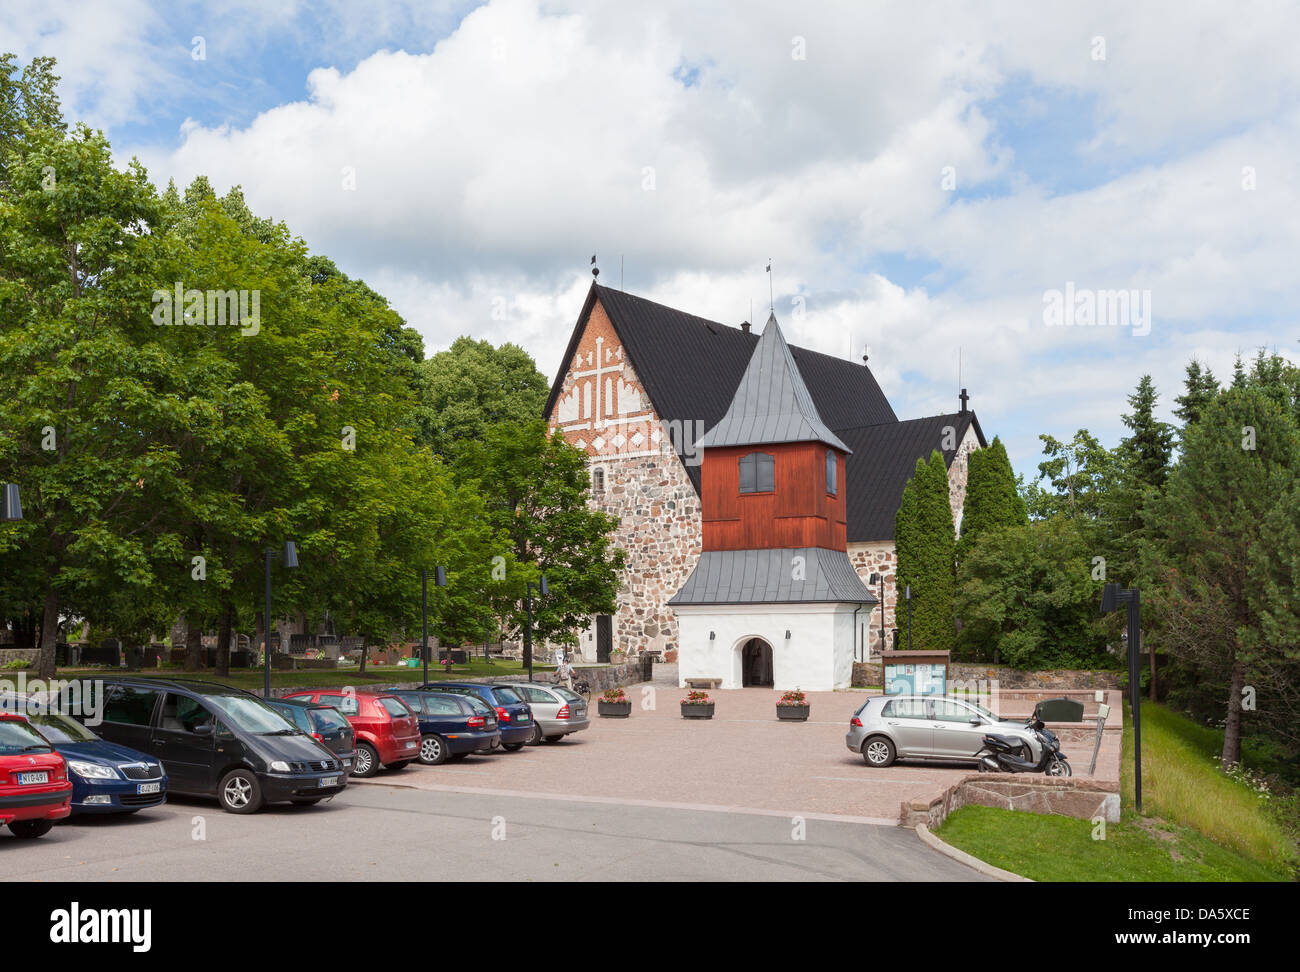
x: 29, y: 655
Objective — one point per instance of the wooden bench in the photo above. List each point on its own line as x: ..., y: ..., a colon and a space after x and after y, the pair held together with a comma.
x: 703, y: 682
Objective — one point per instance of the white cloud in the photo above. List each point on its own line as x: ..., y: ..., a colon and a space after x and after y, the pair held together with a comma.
x: 490, y: 167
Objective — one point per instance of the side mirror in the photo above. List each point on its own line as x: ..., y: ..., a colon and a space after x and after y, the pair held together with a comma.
x: 976, y: 721
x: 205, y: 729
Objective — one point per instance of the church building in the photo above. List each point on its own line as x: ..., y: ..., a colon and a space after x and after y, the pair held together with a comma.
x: 755, y: 484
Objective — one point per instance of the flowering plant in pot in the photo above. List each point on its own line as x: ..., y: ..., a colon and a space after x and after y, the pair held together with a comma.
x: 614, y: 704
x: 793, y: 706
x: 697, y: 705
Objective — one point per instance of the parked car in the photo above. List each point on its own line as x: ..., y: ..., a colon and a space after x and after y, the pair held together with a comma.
x: 34, y: 787
x: 324, y: 723
x: 890, y: 727
x: 514, y: 717
x: 557, y: 711
x: 387, y: 732
x: 451, y: 725
x: 106, y: 777
x: 214, y: 740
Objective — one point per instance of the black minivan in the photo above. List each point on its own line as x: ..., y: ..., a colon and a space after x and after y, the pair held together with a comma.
x: 219, y: 741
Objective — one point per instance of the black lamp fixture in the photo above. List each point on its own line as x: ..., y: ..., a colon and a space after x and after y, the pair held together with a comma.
x: 1112, y: 596
x: 439, y: 580
x: 289, y: 557
x: 13, y: 504
x: 543, y: 589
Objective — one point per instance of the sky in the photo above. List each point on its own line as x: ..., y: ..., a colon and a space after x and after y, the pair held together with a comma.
x: 947, y: 187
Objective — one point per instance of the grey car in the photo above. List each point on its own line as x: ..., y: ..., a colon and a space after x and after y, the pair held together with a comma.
x: 557, y: 711
x: 890, y: 727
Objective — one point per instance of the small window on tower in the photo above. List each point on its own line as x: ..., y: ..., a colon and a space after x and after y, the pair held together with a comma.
x: 830, y: 472
x: 757, y: 473
x: 597, y: 481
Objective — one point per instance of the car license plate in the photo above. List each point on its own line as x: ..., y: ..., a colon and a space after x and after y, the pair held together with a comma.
x: 523, y: 718
x: 26, y: 779
x: 149, y: 788
x: 329, y: 781
x: 410, y: 745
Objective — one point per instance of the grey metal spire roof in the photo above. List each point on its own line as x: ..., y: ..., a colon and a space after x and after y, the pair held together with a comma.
x: 773, y: 577
x: 772, y: 403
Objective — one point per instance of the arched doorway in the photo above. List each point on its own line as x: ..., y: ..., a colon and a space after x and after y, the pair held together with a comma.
x: 756, y: 664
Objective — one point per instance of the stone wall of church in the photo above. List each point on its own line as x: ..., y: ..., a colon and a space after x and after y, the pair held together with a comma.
x: 604, y: 410
x: 659, y: 527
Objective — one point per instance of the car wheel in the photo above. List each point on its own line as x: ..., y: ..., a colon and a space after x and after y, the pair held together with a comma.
x: 537, y: 735
x: 512, y: 747
x: 433, y: 750
x: 240, y: 792
x: 307, y: 801
x: 28, y: 829
x: 366, y: 761
x: 878, y: 752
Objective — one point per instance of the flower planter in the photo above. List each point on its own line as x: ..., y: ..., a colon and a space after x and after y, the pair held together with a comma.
x: 697, y: 710
x: 614, y: 710
x: 793, y: 713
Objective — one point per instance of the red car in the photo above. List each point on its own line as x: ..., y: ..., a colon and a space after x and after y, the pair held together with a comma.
x: 388, y: 732
x: 34, y: 787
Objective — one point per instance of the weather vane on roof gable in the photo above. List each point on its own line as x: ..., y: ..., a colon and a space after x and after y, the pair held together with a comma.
x: 595, y: 270
x: 771, y: 300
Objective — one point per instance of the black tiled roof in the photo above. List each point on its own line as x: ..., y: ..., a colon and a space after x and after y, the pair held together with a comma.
x: 883, y: 460
x: 690, y: 367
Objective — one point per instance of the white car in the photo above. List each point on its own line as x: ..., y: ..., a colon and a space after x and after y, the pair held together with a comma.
x: 557, y: 711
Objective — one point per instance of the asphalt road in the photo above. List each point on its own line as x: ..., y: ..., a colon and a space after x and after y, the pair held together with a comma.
x: 379, y: 832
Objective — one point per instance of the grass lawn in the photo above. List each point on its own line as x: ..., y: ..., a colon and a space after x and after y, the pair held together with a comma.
x: 1198, y: 825
x: 252, y: 678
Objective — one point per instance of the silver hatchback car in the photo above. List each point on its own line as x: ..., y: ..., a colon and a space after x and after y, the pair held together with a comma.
x: 890, y: 727
x: 557, y: 711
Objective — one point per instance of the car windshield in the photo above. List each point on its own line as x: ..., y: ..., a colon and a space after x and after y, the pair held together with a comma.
x: 983, y: 711
x: 19, y: 737
x: 58, y: 728
x: 567, y: 695
x: 250, y: 715
x: 478, y: 705
x: 328, y: 719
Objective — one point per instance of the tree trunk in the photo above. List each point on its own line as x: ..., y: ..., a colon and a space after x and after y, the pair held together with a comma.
x: 1232, y: 730
x: 49, y: 635
x: 223, y: 638
x: 361, y: 669
x: 193, y: 644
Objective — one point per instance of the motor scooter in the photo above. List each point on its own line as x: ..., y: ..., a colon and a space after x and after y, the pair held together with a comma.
x: 1001, y: 754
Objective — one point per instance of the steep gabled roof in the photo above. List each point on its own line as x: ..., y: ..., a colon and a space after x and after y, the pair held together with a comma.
x: 690, y: 367
x: 772, y: 403
x: 766, y: 577
x: 883, y: 461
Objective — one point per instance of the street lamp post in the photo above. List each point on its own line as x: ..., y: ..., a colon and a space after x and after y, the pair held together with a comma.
x: 439, y: 580
x: 290, y: 559
x: 880, y: 579
x: 13, y: 504
x: 907, y: 595
x: 543, y: 589
x: 1112, y: 596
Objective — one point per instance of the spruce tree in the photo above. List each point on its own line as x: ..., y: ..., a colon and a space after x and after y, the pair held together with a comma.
x: 1146, y: 452
x: 992, y: 499
x: 925, y: 543
x: 1201, y: 387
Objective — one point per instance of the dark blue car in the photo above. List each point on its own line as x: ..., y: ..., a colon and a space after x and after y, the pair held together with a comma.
x: 106, y: 777
x: 514, y: 716
x: 452, y: 725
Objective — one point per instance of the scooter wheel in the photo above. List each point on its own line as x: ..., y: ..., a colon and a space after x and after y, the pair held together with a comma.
x: 1059, y: 767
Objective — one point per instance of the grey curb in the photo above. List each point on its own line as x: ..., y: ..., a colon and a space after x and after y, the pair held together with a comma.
x: 948, y: 850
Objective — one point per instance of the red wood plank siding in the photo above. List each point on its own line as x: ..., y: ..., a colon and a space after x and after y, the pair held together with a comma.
x: 797, y: 513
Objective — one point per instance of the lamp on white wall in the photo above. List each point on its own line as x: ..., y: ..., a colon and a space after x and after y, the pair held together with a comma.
x: 712, y: 635
x: 787, y: 634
